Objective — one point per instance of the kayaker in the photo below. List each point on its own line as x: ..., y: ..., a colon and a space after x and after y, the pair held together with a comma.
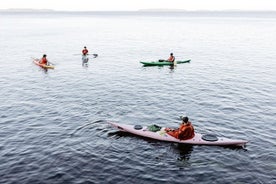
x: 171, y: 58
x: 43, y: 60
x: 84, y: 51
x: 184, y: 132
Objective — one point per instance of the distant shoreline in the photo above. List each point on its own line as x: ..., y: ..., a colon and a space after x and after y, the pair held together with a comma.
x: 145, y: 13
x: 135, y: 11
x: 26, y: 10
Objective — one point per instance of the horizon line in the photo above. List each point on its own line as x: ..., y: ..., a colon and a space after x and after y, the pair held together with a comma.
x: 139, y: 10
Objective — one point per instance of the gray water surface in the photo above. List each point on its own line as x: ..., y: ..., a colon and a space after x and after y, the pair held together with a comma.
x: 54, y: 123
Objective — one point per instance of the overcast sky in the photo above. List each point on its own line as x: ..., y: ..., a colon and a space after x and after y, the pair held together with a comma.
x: 120, y: 5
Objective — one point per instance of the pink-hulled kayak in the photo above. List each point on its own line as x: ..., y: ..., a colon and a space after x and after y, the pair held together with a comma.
x: 198, y: 139
x: 36, y: 61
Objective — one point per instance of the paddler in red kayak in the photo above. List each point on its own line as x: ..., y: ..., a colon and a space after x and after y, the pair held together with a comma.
x: 84, y: 51
x: 184, y: 132
x: 43, y: 60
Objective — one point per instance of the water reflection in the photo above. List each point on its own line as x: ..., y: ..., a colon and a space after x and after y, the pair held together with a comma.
x: 45, y: 70
x: 118, y: 134
x: 184, y: 151
x: 84, y: 64
x: 172, y: 68
x: 235, y: 147
x: 85, y: 59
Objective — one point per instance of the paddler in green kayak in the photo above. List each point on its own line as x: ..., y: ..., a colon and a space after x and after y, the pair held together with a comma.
x: 170, y: 59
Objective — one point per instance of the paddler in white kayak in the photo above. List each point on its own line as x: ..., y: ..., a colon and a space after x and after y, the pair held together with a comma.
x: 84, y: 51
x: 184, y: 132
x: 84, y: 55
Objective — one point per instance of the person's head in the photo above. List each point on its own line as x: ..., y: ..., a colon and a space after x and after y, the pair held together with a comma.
x: 85, y: 47
x: 44, y: 55
x: 171, y: 54
x: 185, y: 119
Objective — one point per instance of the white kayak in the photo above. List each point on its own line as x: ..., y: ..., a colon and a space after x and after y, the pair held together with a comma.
x: 85, y: 58
x: 198, y: 139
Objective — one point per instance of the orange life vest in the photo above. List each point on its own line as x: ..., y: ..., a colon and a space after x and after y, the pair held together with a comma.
x: 43, y: 61
x: 171, y: 59
x: 186, y: 131
x: 84, y: 51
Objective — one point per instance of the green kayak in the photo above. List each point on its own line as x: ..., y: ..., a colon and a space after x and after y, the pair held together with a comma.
x: 158, y: 63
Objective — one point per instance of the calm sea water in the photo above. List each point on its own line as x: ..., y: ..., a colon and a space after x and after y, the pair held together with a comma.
x: 53, y: 124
